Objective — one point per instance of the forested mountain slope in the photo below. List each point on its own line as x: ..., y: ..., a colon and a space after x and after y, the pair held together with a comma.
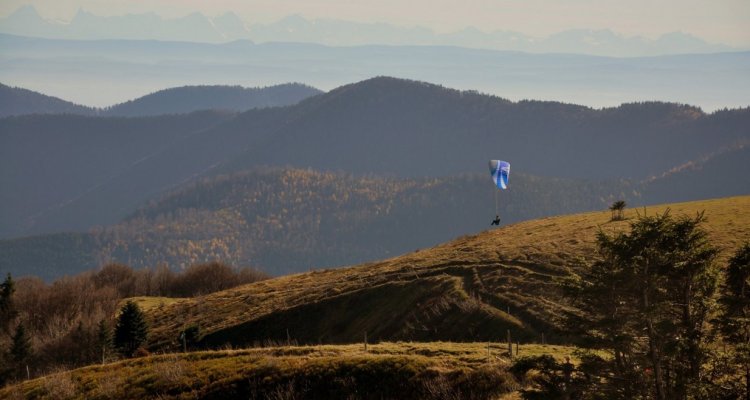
x: 287, y: 220
x: 381, y: 126
x: 54, y: 168
x: 406, y: 128
x: 723, y: 173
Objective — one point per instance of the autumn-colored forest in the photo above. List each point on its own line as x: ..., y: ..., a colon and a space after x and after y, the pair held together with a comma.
x: 63, y: 320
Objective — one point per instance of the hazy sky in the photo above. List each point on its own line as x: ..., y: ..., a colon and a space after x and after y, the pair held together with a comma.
x: 717, y: 21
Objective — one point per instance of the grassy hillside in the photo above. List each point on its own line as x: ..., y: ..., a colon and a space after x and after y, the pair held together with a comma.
x: 385, y: 371
x: 471, y: 289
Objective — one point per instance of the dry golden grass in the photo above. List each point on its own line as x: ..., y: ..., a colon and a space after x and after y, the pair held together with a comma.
x: 147, y: 303
x: 214, y: 374
x: 501, y: 279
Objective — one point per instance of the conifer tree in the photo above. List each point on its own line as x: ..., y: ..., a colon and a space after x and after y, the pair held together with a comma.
x: 648, y: 301
x: 20, y: 349
x: 104, y: 339
x: 7, y: 309
x: 617, y: 209
x: 131, y: 330
x: 735, y: 317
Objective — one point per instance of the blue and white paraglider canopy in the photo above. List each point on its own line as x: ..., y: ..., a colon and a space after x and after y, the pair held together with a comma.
x: 500, y: 171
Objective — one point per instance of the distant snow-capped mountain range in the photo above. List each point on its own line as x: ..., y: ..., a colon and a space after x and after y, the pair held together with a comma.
x: 197, y: 27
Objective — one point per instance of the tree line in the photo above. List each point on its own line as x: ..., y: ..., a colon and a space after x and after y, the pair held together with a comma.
x: 72, y: 321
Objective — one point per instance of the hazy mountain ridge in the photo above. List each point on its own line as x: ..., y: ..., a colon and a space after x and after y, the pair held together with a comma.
x: 18, y: 101
x: 84, y: 25
x: 111, y: 71
x: 381, y: 126
x: 426, y: 120
x: 193, y: 98
x: 602, y: 42
x: 178, y: 100
x: 197, y: 27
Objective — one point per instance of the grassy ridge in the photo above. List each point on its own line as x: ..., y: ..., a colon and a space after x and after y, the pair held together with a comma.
x: 388, y: 370
x: 472, y: 289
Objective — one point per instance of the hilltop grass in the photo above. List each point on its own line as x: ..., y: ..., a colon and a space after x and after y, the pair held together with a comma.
x: 435, y: 370
x: 471, y: 289
x: 147, y: 303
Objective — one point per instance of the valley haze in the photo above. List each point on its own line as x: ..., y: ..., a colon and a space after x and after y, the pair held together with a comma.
x: 100, y: 60
x: 102, y: 73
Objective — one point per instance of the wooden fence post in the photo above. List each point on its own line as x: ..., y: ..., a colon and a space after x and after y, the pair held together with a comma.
x: 510, y: 345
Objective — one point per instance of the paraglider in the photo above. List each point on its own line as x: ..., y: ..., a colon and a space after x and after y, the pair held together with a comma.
x: 499, y: 170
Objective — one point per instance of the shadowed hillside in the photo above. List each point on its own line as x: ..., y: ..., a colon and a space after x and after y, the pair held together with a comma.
x: 50, y: 165
x: 178, y: 100
x: 186, y: 99
x: 712, y: 176
x: 470, y: 289
x: 407, y: 128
